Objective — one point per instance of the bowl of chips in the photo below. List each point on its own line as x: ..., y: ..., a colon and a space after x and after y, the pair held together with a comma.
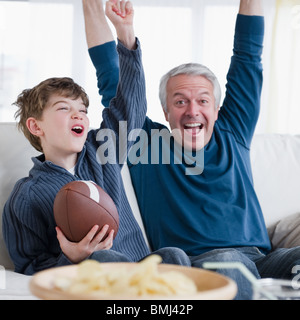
x: 146, y: 280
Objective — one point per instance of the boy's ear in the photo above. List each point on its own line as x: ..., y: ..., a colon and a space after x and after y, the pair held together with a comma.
x: 33, y: 127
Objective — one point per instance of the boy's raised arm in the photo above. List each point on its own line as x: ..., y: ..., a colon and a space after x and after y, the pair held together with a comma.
x: 121, y: 13
x: 127, y: 111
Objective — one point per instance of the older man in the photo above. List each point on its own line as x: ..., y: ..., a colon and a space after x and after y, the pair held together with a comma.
x: 203, y: 200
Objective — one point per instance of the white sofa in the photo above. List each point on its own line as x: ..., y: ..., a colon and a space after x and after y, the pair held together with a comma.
x: 276, y: 171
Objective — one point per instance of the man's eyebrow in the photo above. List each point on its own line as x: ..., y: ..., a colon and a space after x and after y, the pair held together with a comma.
x: 205, y: 93
x: 200, y: 94
x: 178, y: 94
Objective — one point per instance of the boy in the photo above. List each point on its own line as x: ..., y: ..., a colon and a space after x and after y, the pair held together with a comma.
x: 53, y: 116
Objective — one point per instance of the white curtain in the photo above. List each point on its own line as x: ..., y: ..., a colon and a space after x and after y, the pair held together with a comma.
x: 283, y: 103
x: 35, y: 43
x: 44, y: 38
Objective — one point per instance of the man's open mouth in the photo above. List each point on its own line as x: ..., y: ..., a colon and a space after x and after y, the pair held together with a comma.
x: 193, y: 128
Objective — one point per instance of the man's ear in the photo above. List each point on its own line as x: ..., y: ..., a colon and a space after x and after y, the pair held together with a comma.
x: 217, y: 113
x: 33, y: 127
x: 166, y: 115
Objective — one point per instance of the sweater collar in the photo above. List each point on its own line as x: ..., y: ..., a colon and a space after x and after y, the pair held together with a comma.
x: 42, y: 165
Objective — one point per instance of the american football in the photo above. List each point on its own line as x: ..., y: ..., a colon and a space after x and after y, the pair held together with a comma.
x: 80, y: 205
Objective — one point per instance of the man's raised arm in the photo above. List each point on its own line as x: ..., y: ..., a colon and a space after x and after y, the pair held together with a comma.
x: 96, y: 27
x: 251, y: 7
x: 241, y: 105
x: 102, y: 49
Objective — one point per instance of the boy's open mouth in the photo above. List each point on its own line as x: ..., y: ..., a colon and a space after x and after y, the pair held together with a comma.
x: 78, y: 129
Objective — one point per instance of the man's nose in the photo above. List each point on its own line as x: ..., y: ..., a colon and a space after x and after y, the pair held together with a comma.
x: 193, y: 109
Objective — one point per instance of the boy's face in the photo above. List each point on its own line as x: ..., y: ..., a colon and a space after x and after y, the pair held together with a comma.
x: 64, y: 127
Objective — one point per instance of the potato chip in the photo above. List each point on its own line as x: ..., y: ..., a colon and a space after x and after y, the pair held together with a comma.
x: 140, y: 280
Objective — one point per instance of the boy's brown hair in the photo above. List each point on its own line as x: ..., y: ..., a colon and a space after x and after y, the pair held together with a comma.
x: 32, y: 102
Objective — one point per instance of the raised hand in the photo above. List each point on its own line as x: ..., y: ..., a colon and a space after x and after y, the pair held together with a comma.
x: 121, y: 13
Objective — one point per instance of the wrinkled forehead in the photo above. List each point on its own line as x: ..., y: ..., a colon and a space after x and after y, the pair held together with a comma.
x: 197, y: 85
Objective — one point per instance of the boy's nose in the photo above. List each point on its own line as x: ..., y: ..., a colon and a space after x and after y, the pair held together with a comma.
x: 77, y: 115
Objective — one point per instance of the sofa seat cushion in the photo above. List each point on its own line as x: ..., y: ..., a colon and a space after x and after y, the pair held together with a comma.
x: 16, y: 287
x: 286, y: 232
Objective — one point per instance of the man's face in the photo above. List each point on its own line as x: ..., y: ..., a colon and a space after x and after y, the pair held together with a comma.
x: 191, y: 110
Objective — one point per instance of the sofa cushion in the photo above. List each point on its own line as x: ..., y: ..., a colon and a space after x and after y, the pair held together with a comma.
x: 286, y: 232
x: 275, y: 163
x: 16, y: 287
x: 276, y: 171
x: 15, y: 162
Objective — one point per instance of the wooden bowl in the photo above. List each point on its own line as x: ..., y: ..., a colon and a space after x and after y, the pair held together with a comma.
x: 210, y: 285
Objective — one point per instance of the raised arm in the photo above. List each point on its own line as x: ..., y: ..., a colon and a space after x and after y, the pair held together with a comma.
x: 121, y: 15
x: 241, y: 106
x: 127, y: 111
x: 97, y: 29
x: 102, y: 49
x: 251, y: 7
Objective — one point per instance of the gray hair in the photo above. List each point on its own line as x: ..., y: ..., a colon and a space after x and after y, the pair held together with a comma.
x: 192, y: 69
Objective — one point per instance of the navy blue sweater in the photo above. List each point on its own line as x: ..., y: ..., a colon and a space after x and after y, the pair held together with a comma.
x: 28, y: 222
x: 218, y: 208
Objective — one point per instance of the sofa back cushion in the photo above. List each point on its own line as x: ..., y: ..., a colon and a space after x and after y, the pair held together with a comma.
x: 276, y: 171
x: 275, y: 162
x: 15, y: 163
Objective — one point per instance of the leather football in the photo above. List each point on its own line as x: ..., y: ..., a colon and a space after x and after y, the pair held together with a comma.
x: 80, y: 205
